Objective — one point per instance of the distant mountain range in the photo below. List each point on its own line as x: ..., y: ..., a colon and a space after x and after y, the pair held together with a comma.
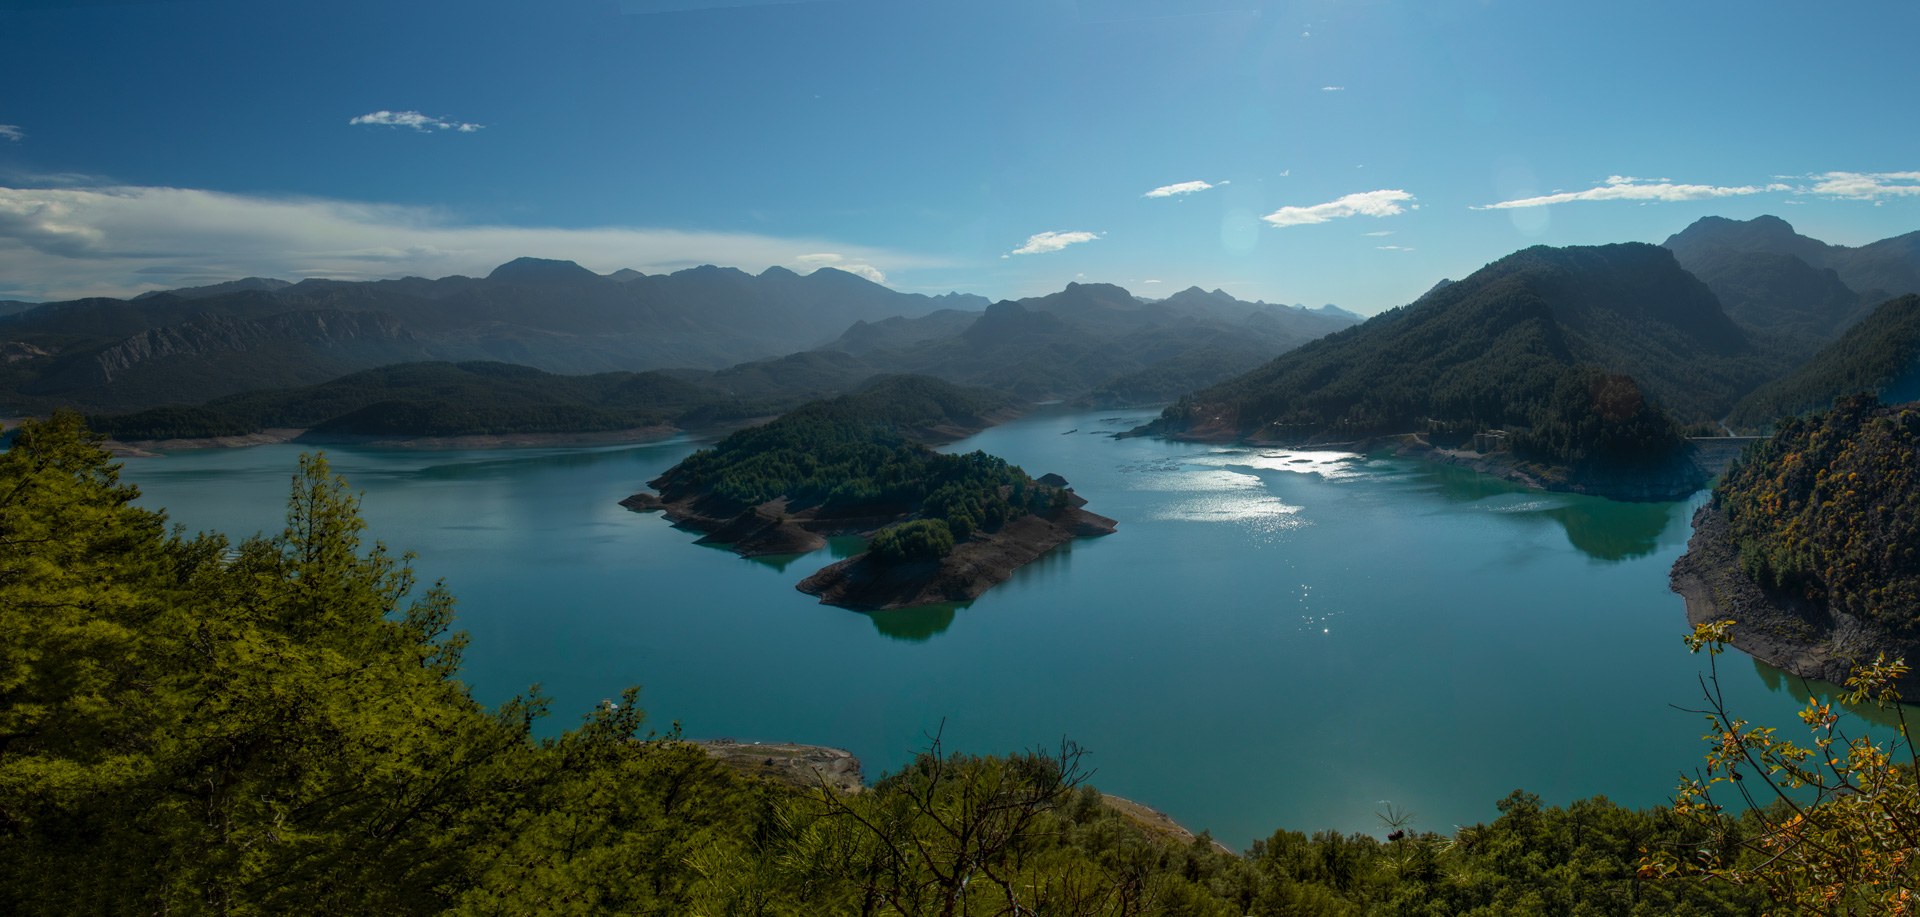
x: 1776, y: 280
x: 1543, y: 338
x: 1092, y: 341
x: 192, y: 345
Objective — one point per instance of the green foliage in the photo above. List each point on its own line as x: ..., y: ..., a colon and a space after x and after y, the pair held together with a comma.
x: 1828, y: 509
x: 1841, y: 815
x: 914, y: 540
x: 1880, y: 356
x: 191, y: 726
x: 1595, y: 418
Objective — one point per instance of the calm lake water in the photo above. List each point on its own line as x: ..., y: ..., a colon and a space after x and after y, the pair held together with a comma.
x: 1271, y: 640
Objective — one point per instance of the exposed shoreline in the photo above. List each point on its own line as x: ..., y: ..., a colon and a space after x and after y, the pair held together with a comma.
x: 863, y: 582
x: 1680, y: 479
x: 1790, y: 634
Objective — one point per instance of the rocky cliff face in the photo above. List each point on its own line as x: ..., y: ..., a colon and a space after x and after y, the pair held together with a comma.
x: 217, y: 334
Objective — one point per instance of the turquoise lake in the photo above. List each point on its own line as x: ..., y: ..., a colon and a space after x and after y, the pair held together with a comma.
x: 1271, y: 640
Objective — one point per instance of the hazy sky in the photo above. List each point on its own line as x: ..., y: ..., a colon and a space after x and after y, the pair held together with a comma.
x: 1344, y: 152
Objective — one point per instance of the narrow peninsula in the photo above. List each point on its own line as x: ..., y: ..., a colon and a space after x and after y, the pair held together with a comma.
x: 1811, y: 545
x: 939, y: 527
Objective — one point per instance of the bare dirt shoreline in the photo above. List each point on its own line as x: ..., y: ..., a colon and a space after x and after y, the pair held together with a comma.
x: 1789, y: 634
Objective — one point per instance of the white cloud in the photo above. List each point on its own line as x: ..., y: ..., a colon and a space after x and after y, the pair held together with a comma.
x: 415, y: 120
x: 12, y: 132
x: 62, y: 243
x: 1392, y: 248
x: 1333, y: 89
x: 1365, y: 203
x: 1383, y: 232
x: 841, y: 262
x: 1185, y: 187
x: 1626, y: 188
x: 1042, y: 242
x: 1865, y: 185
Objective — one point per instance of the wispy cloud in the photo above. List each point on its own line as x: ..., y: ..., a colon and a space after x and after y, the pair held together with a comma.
x: 842, y: 262
x: 415, y: 120
x: 1865, y: 185
x: 62, y: 243
x: 1185, y: 187
x: 1393, y: 248
x: 1626, y: 188
x: 12, y: 132
x: 1042, y: 242
x: 1383, y: 232
x: 1366, y: 203
x: 1333, y: 89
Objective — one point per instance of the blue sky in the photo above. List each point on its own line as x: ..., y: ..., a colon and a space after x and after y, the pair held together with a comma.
x: 1002, y: 148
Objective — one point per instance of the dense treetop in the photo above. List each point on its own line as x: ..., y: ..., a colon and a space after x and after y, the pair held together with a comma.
x: 1828, y: 509
x: 858, y: 453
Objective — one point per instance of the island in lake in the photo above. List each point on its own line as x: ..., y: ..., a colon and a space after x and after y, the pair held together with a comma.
x: 939, y: 527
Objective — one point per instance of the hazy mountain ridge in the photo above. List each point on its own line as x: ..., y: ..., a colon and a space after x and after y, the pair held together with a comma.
x: 554, y: 315
x: 1772, y: 291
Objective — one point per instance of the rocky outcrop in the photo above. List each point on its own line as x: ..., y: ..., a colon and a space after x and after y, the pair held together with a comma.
x: 804, y: 766
x: 1788, y: 633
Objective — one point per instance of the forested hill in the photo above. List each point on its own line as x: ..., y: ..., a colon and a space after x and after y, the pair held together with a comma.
x: 446, y: 399
x: 1880, y: 356
x: 1828, y: 510
x: 1596, y: 349
x: 191, y: 345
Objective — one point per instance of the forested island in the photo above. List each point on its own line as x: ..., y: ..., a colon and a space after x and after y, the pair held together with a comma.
x: 1811, y: 545
x: 939, y: 528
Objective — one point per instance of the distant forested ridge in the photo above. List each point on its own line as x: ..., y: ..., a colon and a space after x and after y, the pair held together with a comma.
x: 1828, y: 510
x: 1590, y: 354
x: 191, y: 726
x: 188, y: 346
x: 445, y: 399
x: 1880, y: 355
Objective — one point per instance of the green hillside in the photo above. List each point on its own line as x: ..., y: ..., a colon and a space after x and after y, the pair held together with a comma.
x: 1879, y: 355
x: 442, y: 399
x: 1600, y: 351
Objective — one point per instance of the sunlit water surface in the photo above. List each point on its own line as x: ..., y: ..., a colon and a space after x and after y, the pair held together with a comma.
x: 1273, y: 639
